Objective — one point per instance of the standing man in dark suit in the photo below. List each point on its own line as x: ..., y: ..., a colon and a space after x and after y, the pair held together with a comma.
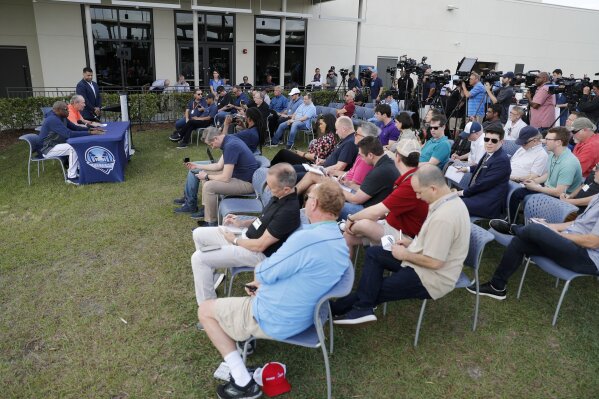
x: 488, y: 188
x: 91, y: 93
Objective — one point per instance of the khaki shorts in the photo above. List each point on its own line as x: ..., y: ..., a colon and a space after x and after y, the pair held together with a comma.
x: 388, y: 230
x: 235, y: 317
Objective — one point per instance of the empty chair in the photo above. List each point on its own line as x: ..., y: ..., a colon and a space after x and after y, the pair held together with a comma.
x: 510, y: 147
x: 249, y: 205
x: 370, y: 105
x: 368, y: 113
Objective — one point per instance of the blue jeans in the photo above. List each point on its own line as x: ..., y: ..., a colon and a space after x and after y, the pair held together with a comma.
x: 374, y: 289
x: 534, y: 239
x: 350, y: 209
x: 295, y: 127
x: 180, y: 123
x: 192, y: 185
x: 219, y: 119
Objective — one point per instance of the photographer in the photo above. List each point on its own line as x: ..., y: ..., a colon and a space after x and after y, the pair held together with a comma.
x: 353, y: 81
x: 504, y: 95
x: 561, y: 101
x: 476, y: 98
x: 542, y: 105
x: 358, y: 96
x: 428, y: 88
x: 375, y: 86
x: 331, y: 82
x: 590, y: 104
x: 405, y: 85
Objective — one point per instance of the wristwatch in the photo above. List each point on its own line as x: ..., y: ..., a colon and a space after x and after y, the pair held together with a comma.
x: 235, y: 241
x: 207, y: 177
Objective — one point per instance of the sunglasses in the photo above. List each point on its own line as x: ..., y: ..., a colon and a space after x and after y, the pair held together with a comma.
x: 494, y: 141
x: 576, y: 131
x: 436, y: 127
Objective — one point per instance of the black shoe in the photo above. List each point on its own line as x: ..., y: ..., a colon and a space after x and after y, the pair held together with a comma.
x: 179, y: 201
x: 230, y: 390
x: 501, y: 226
x: 487, y: 289
x: 203, y: 223
x: 175, y: 137
x: 356, y: 316
x: 185, y: 209
x: 198, y: 215
x: 182, y: 145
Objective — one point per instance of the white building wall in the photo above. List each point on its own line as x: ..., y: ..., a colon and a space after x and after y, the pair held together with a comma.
x: 17, y: 28
x: 61, y: 44
x: 164, y: 45
x: 503, y: 31
x: 244, y: 39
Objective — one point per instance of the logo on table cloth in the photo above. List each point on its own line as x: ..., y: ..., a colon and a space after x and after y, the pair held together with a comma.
x: 100, y: 158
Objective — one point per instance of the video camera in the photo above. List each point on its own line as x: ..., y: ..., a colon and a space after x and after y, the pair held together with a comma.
x: 366, y: 74
x: 439, y: 78
x: 490, y: 76
x: 465, y: 67
x: 392, y: 71
x: 571, y: 88
x: 344, y: 72
x: 409, y: 65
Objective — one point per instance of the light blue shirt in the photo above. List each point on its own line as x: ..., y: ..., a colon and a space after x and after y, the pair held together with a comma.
x: 294, y: 278
x: 305, y: 110
x: 293, y: 105
x: 476, y: 99
x: 279, y: 103
x: 394, y: 107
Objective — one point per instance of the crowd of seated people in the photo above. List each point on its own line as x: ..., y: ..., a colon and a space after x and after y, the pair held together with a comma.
x: 379, y: 181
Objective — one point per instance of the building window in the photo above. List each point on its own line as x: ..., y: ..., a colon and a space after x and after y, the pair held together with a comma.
x: 268, y: 45
x: 123, y: 46
x: 216, y: 38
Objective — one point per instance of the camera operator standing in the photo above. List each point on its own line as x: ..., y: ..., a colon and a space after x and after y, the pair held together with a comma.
x: 428, y: 88
x: 352, y: 81
x: 590, y: 104
x: 375, y: 86
x: 542, y: 105
x: 561, y: 101
x: 504, y: 95
x: 405, y: 85
x: 476, y: 98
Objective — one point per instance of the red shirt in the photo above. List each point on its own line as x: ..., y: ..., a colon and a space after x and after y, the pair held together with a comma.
x: 406, y: 212
x: 587, y: 153
x: 349, y: 108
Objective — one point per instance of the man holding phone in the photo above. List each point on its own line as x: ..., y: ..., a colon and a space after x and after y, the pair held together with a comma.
x: 264, y: 234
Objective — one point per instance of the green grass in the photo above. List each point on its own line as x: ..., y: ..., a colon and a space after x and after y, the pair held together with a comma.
x: 76, y: 261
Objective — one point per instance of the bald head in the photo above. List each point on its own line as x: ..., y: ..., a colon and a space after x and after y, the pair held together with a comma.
x: 430, y: 175
x: 284, y: 174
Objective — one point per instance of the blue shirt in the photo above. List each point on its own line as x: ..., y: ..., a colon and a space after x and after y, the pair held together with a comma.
x: 476, y: 106
x: 293, y: 105
x: 279, y: 104
x: 237, y: 153
x: 210, y: 110
x: 305, y: 110
x: 56, y: 130
x: 193, y: 106
x: 375, y: 87
x: 215, y: 83
x: 437, y: 148
x: 293, y: 279
x: 250, y: 137
x: 237, y: 101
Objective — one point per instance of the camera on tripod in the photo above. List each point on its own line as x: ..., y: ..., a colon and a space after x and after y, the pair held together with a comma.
x: 491, y: 77
x: 366, y: 74
x: 344, y: 72
x: 392, y: 71
x: 439, y: 78
x: 571, y: 88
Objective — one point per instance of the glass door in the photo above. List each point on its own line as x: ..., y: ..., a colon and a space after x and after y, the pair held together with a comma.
x: 220, y: 58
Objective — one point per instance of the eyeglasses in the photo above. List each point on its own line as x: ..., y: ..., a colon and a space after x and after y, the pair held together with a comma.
x: 494, y: 141
x: 576, y: 131
x: 531, y: 140
x: 552, y: 139
x: 308, y: 196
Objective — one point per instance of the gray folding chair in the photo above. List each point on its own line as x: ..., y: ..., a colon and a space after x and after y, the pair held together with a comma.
x: 35, y: 144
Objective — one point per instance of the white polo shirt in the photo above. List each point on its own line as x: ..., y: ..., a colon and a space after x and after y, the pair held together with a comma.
x: 513, y: 132
x: 531, y: 161
x: 477, y: 150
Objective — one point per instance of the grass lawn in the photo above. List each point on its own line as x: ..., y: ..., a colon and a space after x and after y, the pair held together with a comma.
x: 97, y: 301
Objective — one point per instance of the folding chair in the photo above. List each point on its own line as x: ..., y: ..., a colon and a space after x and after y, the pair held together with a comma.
x: 35, y: 145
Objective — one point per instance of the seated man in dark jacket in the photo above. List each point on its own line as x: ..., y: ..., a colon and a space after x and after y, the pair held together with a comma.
x: 55, y: 131
x: 488, y: 188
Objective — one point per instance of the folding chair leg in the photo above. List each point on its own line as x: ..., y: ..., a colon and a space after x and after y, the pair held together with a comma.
x: 522, y: 279
x: 559, y: 304
x: 326, y: 360
x: 385, y: 309
x: 29, y: 171
x: 331, y: 336
x: 419, y: 323
x: 475, y: 322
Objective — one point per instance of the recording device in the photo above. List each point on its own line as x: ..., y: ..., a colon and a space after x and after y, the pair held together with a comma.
x: 186, y: 160
x: 343, y: 72
x: 366, y: 74
x: 409, y: 65
x: 250, y: 287
x: 238, y: 118
x: 491, y: 76
x: 242, y: 102
x: 392, y: 71
x: 464, y: 70
x: 439, y: 78
x: 571, y: 88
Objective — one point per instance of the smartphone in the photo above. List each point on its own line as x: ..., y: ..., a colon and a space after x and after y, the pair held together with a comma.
x: 186, y: 160
x: 209, y: 248
x: 250, y: 287
x: 242, y: 102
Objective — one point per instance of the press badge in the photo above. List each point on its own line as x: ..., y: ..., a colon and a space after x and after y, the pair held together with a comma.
x: 257, y: 223
x: 585, y: 188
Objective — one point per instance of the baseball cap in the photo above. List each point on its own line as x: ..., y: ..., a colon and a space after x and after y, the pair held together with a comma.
x: 407, y: 146
x: 471, y: 127
x: 582, y: 123
x: 272, y: 379
x: 508, y: 75
x: 526, y: 133
x: 293, y: 91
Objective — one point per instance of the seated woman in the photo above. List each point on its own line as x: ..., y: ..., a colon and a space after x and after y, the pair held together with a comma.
x: 254, y: 132
x: 320, y: 148
x: 404, y: 123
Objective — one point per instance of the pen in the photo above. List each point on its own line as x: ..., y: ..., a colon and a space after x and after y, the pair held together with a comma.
x: 400, y: 236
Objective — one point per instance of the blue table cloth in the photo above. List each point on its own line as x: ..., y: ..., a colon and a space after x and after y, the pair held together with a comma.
x: 103, y: 158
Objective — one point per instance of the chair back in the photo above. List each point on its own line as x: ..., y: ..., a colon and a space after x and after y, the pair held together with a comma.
x: 479, y: 237
x: 318, y: 109
x: 340, y: 289
x: 546, y: 207
x: 370, y: 105
x: 259, y: 180
x: 45, y: 110
x: 510, y: 147
x: 263, y: 161
x: 359, y: 113
x: 34, y: 141
x: 368, y: 113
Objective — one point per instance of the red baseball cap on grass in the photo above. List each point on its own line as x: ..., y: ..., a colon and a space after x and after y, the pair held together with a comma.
x: 272, y: 379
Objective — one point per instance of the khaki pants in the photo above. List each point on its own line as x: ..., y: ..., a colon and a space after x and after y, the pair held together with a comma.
x: 235, y: 317
x: 212, y: 188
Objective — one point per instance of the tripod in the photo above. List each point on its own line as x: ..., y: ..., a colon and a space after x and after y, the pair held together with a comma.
x: 342, y: 87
